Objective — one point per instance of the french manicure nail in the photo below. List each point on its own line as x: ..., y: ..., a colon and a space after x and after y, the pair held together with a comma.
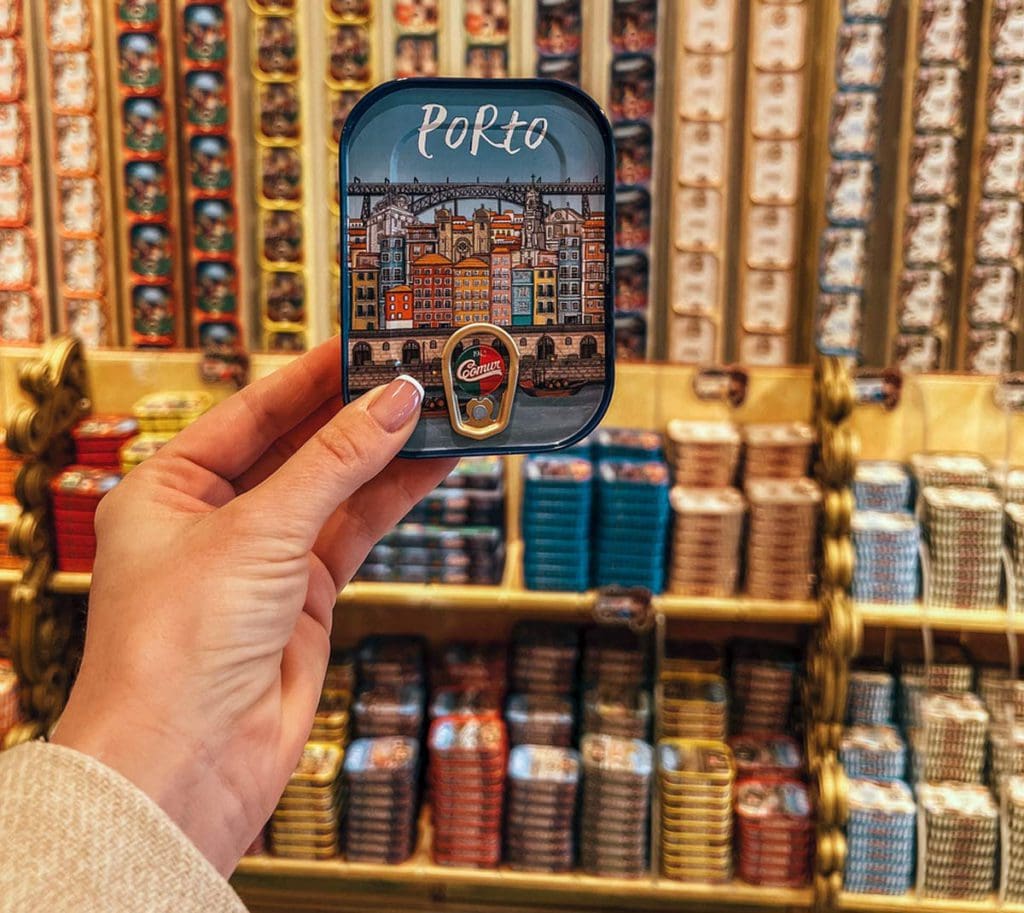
x: 397, y: 403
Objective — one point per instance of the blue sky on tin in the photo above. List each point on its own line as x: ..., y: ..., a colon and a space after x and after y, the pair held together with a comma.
x: 385, y: 144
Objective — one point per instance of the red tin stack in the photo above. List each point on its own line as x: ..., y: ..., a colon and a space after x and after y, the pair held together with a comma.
x: 99, y: 439
x: 467, y: 780
x: 775, y: 831
x: 77, y: 492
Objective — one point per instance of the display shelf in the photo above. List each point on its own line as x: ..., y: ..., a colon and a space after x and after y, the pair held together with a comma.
x: 913, y: 903
x: 501, y: 598
x: 915, y: 617
x: 9, y: 577
x: 260, y: 875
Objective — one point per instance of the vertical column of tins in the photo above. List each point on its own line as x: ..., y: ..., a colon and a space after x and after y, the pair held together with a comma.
x: 774, y: 146
x: 851, y: 182
x: 558, y: 39
x: 145, y: 173
x: 350, y: 73
x: 417, y: 30
x: 85, y: 291
x: 23, y: 279
x: 991, y: 279
x: 486, y: 24
x: 632, y: 104
x: 929, y: 185
x: 213, y: 279
x: 706, y: 66
x: 279, y: 173
x: 838, y: 637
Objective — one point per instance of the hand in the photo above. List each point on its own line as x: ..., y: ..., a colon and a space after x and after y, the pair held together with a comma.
x: 218, y: 565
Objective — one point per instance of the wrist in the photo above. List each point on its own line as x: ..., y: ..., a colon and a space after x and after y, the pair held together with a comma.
x: 172, y: 770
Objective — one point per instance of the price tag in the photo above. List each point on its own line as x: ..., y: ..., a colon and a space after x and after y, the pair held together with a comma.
x: 629, y: 606
x: 1009, y: 392
x: 880, y: 387
x: 721, y: 384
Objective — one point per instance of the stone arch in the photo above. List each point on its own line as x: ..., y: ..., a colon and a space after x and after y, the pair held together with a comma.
x: 362, y: 354
x: 411, y: 353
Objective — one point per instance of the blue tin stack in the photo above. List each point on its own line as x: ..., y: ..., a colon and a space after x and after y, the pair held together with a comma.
x: 881, y: 485
x: 556, y: 522
x: 886, y: 547
x: 871, y: 695
x: 632, y: 525
x: 880, y: 833
x: 873, y: 753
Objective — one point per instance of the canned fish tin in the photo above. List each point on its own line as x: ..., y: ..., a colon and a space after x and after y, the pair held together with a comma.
x: 467, y: 233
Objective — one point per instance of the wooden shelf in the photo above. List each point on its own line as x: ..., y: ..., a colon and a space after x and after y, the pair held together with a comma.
x: 912, y: 903
x: 9, y: 577
x: 450, y: 597
x: 260, y: 876
x: 915, y: 617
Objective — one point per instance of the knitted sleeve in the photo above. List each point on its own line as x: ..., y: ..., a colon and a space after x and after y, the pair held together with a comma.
x: 77, y: 836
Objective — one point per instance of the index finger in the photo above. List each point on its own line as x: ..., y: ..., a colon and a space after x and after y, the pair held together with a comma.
x: 229, y: 438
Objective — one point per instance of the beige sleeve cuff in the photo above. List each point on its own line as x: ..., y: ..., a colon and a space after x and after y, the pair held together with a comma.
x: 77, y: 836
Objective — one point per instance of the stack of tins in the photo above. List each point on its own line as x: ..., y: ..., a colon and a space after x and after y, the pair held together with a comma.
x: 77, y: 492
x: 783, y: 539
x: 777, y: 451
x: 616, y: 794
x: 542, y: 785
x: 775, y: 831
x: 694, y: 705
x: 99, y: 439
x: 696, y: 778
x: 468, y: 755
x: 305, y: 823
x: 380, y: 812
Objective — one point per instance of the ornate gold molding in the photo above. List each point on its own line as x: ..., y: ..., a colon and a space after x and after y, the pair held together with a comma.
x: 838, y: 637
x: 43, y: 628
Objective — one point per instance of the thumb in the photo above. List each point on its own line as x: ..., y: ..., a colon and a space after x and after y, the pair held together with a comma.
x: 341, y: 457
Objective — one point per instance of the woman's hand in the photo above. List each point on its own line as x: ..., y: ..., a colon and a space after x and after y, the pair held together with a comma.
x: 219, y: 561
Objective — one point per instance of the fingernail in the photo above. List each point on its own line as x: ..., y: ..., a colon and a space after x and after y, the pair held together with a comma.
x: 397, y: 403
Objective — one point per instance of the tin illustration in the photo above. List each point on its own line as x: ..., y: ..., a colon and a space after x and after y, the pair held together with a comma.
x: 476, y: 235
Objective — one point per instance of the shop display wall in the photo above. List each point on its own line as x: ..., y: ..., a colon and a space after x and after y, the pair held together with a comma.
x: 783, y: 119
x: 458, y: 612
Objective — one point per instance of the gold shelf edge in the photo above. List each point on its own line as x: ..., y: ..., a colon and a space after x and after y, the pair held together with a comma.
x: 501, y: 598
x: 419, y: 874
x: 981, y: 621
x: 911, y: 903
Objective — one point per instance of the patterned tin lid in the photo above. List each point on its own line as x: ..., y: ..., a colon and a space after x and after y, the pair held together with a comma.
x: 476, y: 234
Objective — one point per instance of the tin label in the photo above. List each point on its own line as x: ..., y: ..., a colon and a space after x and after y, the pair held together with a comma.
x: 480, y: 370
x: 463, y: 215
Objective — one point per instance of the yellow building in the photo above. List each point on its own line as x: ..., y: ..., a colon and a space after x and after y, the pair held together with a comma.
x: 472, y: 298
x: 365, y: 275
x: 545, y: 299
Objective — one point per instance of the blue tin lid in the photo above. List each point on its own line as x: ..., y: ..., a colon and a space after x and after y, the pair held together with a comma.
x: 476, y: 237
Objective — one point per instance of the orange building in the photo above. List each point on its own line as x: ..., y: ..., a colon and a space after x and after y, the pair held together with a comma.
x: 398, y: 308
x: 472, y: 300
x: 593, y: 269
x: 431, y: 278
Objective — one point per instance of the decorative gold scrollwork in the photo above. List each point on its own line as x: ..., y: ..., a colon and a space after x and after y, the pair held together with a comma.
x: 839, y: 635
x: 42, y: 628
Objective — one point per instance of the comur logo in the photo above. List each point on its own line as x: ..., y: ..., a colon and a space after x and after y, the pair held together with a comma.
x: 480, y: 370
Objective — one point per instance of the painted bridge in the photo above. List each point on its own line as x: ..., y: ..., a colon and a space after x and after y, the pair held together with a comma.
x: 427, y: 195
